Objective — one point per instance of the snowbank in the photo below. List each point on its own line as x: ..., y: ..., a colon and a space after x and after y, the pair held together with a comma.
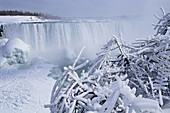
x: 3, y: 42
x: 18, y: 19
x: 25, y: 88
x: 13, y: 51
x: 23, y: 19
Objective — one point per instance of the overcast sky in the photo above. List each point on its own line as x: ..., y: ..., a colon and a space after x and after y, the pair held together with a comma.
x: 87, y: 8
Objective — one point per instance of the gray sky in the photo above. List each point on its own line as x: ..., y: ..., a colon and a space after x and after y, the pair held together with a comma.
x: 88, y: 8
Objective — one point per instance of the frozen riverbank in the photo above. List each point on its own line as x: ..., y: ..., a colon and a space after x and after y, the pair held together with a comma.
x: 25, y: 89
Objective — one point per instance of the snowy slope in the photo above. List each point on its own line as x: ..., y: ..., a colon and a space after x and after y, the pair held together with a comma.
x: 25, y: 89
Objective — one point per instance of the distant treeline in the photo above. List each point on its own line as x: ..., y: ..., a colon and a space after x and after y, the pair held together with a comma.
x: 21, y: 13
x: 26, y: 13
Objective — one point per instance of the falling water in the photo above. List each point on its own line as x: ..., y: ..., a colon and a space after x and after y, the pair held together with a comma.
x: 67, y: 38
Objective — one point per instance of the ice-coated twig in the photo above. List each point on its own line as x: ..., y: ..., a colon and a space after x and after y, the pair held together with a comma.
x: 81, y: 65
x: 73, y: 106
x: 118, y: 44
x: 157, y: 16
x: 56, y: 84
x: 163, y: 11
x: 58, y: 90
x: 163, y: 23
x: 77, y: 58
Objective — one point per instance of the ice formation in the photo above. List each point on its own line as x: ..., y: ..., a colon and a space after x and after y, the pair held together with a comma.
x: 13, y: 51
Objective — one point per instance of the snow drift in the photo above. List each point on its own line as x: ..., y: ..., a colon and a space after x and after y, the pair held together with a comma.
x: 25, y: 88
x: 18, y: 19
x: 13, y: 51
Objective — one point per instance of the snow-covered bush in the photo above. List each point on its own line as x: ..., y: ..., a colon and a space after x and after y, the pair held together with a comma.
x: 134, y: 80
x: 13, y: 51
x: 100, y: 91
x: 150, y: 62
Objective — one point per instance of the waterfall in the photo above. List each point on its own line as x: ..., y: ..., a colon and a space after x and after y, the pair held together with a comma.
x: 67, y: 36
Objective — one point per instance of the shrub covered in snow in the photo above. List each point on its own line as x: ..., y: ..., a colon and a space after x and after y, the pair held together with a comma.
x: 13, y: 51
x: 134, y: 80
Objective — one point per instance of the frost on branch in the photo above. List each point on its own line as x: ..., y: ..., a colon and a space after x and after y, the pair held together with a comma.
x: 163, y: 23
x: 103, y: 89
x: 150, y: 63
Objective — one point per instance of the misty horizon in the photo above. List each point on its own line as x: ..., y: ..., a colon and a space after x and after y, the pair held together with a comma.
x: 88, y: 8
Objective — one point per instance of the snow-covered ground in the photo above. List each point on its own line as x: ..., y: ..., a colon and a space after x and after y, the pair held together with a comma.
x: 25, y: 88
x: 21, y: 19
x: 16, y: 19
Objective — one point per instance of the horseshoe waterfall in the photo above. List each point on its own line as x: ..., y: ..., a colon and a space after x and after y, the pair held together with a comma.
x: 63, y: 39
